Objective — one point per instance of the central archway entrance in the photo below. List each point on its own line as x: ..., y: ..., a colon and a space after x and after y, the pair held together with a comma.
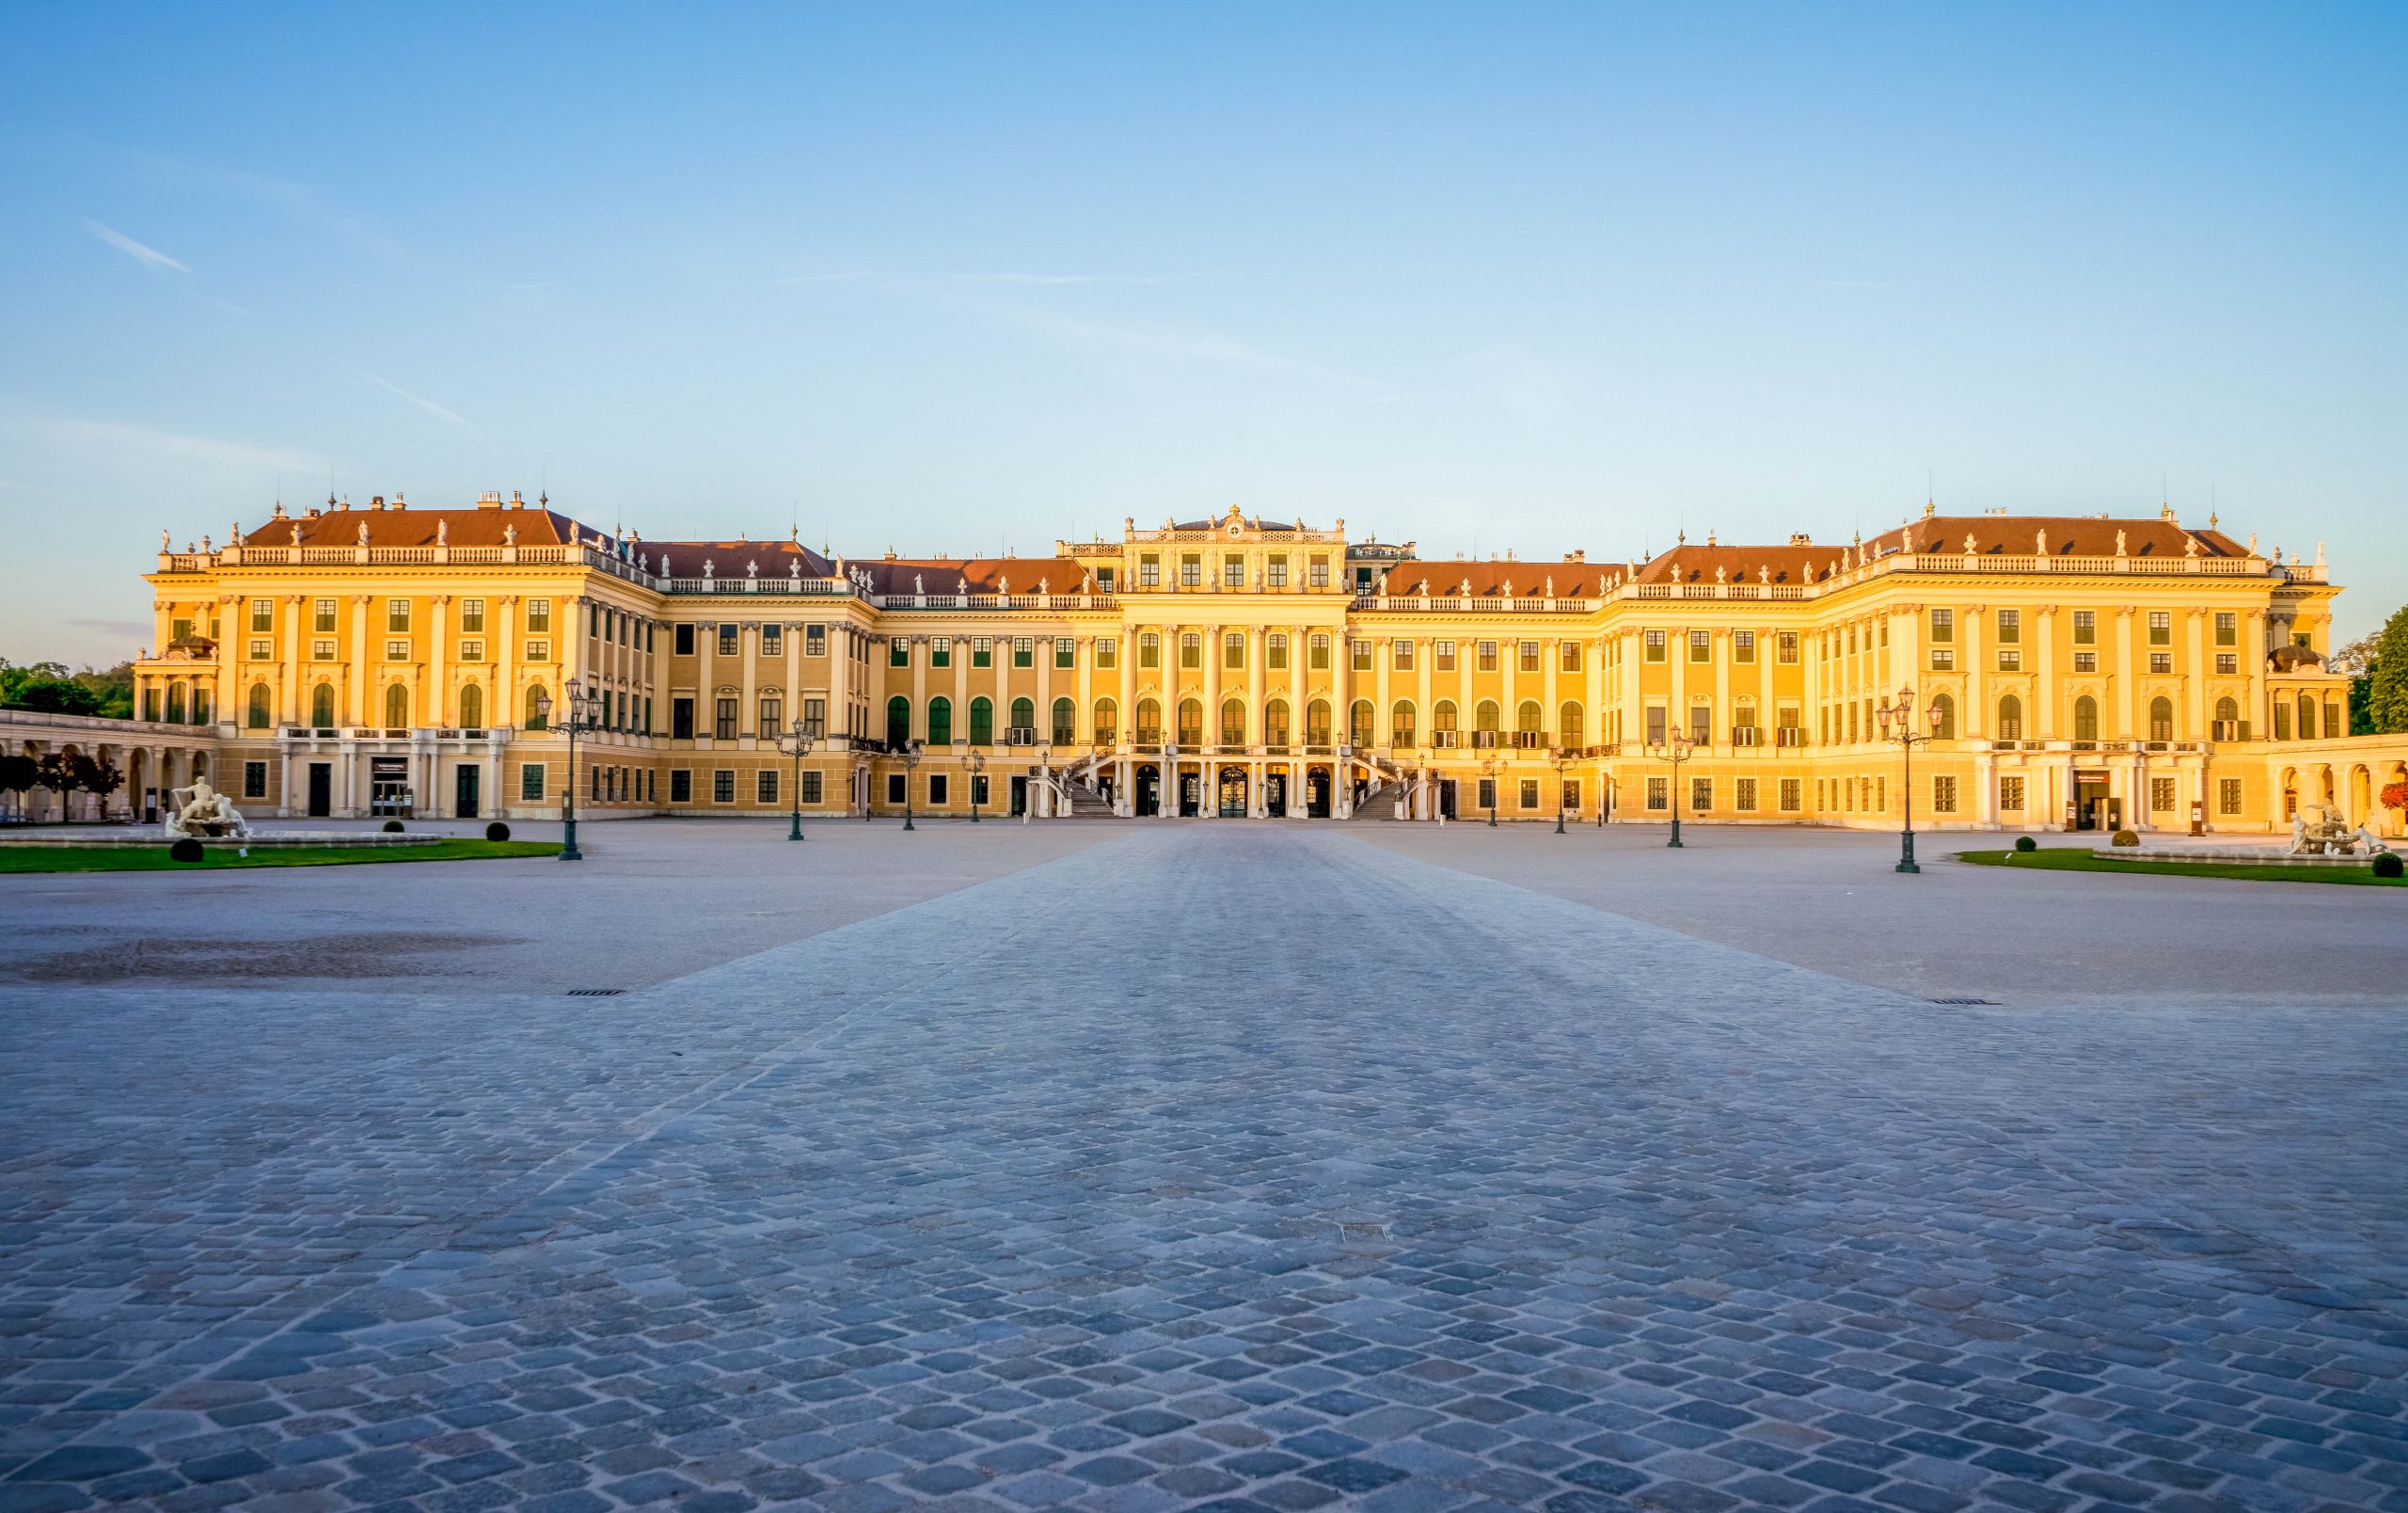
x: 1232, y: 792
x: 1317, y: 793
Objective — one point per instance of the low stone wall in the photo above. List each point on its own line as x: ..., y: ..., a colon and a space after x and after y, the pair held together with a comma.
x: 2258, y: 855
x: 123, y: 840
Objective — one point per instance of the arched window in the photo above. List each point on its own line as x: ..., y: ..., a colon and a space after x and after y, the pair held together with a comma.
x: 982, y: 722
x: 1191, y: 723
x: 175, y: 703
x: 397, y: 708
x: 1528, y: 719
x: 2161, y: 719
x: 1317, y: 723
x: 2228, y: 726
x: 940, y: 721
x: 1066, y: 722
x: 257, y: 716
x: 472, y: 707
x: 1275, y: 723
x: 2010, y: 717
x: 1024, y: 714
x: 1484, y: 716
x: 1570, y: 727
x: 1401, y: 730
x: 1359, y: 723
x: 2085, y: 718
x: 2306, y: 716
x: 899, y: 721
x: 1149, y: 722
x: 1943, y: 717
x: 1233, y: 722
x: 1442, y: 719
x: 534, y: 719
x: 1107, y: 723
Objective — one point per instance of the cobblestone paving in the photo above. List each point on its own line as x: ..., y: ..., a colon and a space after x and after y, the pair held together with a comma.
x: 1240, y: 1167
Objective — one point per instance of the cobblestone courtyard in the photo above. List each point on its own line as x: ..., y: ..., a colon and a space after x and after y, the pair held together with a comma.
x: 1238, y: 1166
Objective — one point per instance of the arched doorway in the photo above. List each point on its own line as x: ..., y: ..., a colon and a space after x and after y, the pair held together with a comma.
x: 1274, y: 793
x: 1150, y: 790
x: 1317, y: 791
x: 1191, y: 791
x: 2361, y: 791
x: 1232, y: 795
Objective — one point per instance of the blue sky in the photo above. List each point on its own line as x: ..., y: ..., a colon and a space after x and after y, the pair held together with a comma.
x: 965, y: 278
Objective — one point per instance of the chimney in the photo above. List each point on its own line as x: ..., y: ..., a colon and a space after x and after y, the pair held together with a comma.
x: 1799, y: 538
x: 489, y: 499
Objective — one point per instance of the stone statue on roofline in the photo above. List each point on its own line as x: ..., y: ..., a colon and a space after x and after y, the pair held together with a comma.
x: 363, y: 532
x: 2119, y: 543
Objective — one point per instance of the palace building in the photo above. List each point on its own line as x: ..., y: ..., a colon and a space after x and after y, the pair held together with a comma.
x: 2088, y: 670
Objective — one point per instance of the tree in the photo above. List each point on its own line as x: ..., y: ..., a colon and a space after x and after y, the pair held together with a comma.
x: 48, y: 687
x: 98, y: 776
x: 19, y: 774
x: 57, y: 772
x: 2386, y: 677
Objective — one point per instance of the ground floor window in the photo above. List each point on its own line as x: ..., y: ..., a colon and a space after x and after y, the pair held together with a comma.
x: 723, y: 785
x: 1529, y: 793
x: 979, y: 788
x: 1745, y: 799
x: 1488, y: 793
x: 811, y: 787
x: 1572, y: 794
x: 681, y: 786
x: 894, y: 787
x: 1659, y: 794
x: 766, y: 785
x: 2160, y: 795
x: 1944, y: 795
x: 2227, y: 795
x: 255, y: 780
x: 1792, y: 790
x: 531, y: 780
x: 2010, y: 793
x: 1701, y: 795
x: 940, y: 790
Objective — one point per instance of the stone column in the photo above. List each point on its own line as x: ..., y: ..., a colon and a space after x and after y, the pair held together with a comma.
x: 1083, y: 714
x: 1341, y: 699
x: 1970, y: 721
x: 2254, y: 652
x: 840, y: 685
x: 508, y: 702
x: 1383, y: 724
x: 919, y: 688
x: 2194, y: 680
x: 747, y: 703
x: 1041, y: 653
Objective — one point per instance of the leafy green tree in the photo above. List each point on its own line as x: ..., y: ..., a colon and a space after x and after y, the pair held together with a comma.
x: 98, y: 776
x: 2386, y: 679
x: 19, y: 774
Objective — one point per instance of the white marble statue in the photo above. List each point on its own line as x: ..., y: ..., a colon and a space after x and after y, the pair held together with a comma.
x: 2330, y: 834
x: 201, y: 810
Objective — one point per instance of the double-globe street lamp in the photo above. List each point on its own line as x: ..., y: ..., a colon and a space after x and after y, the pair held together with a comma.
x: 582, y: 712
x: 796, y: 742
x: 1675, y: 749
x: 912, y: 752
x: 1488, y: 779
x: 978, y: 768
x: 1898, y: 723
x: 1561, y: 759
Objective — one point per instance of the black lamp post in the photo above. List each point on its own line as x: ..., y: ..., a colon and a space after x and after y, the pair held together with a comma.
x: 912, y: 750
x: 1561, y: 758
x: 978, y: 765
x: 1898, y: 723
x: 1673, y: 749
x: 581, y: 713
x: 796, y: 742
x: 1488, y: 774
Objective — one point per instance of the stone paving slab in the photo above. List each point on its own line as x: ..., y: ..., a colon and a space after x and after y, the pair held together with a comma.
x: 1236, y: 1167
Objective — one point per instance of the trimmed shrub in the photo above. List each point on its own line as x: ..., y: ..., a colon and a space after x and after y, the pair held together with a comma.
x: 393, y: 827
x: 2125, y: 837
x: 497, y: 831
x: 2389, y: 865
x: 2026, y: 843
x: 187, y: 849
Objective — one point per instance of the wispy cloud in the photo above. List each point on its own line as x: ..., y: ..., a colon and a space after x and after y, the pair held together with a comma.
x: 1080, y: 278
x: 112, y: 440
x: 447, y: 417
x: 150, y: 257
x: 297, y: 200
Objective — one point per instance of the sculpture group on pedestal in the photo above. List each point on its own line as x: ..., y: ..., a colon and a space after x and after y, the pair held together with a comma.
x: 2329, y: 833
x: 200, y: 810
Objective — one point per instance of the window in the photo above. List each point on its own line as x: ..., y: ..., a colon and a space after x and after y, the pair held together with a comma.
x: 1485, y: 656
x: 1743, y: 646
x: 1786, y: 647
x: 1024, y: 717
x: 2227, y: 720
x: 397, y: 651
x: 2160, y: 627
x: 2010, y: 794
x: 472, y: 651
x: 1444, y: 653
x: 472, y: 616
x: 1232, y: 570
x: 681, y: 639
x: 899, y: 721
x: 2161, y: 662
x: 2010, y: 627
x: 1066, y: 652
x: 899, y: 651
x: 472, y: 707
x: 1361, y: 648
x: 1442, y: 720
x: 1701, y: 795
x: 1105, y: 578
x: 773, y: 641
x: 1149, y: 650
x: 1108, y: 654
x: 940, y: 790
x: 1191, y: 571
x: 1656, y: 719
x: 1149, y: 572
x: 1530, y: 792
x: 1234, y: 650
x: 1023, y: 651
x: 1066, y: 722
x: 1400, y: 656
x: 1571, y: 656
x: 263, y: 651
x: 2085, y: 662
x: 255, y: 780
x: 2228, y: 663
x: 1277, y: 572
x: 982, y: 652
x: 1700, y: 645
x: 724, y: 719
x: 396, y: 615
x: 982, y: 723
x: 1655, y: 646
x: 1701, y: 725
x: 681, y: 786
x: 2010, y: 717
x: 2085, y: 718
x: 2227, y: 795
x: 1191, y: 723
x: 1943, y: 795
x: 2282, y: 720
x: 765, y: 785
x: 1400, y: 725
x: 1569, y: 727
x: 1487, y: 796
x: 1570, y: 798
x: 2010, y: 658
x: 1528, y: 658
x: 2085, y: 627
x: 940, y: 721
x: 531, y: 780
x: 723, y: 786
x: 1233, y: 722
x: 1944, y: 659
x: 1792, y: 795
x: 1659, y: 794
x: 1943, y: 627
x: 2160, y: 795
x: 323, y: 619
x: 1943, y: 717
x: 1320, y: 572
x: 1107, y: 722
x: 397, y: 708
x: 681, y: 719
x: 1191, y: 650
x: 2227, y: 628
x: 257, y: 716
x: 813, y: 788
x: 1743, y: 798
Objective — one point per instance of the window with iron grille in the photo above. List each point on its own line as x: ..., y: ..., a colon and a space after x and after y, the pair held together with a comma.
x: 2160, y: 795
x: 1943, y: 795
x: 765, y: 785
x: 1659, y: 794
x: 1701, y: 795
x: 681, y: 786
x: 812, y: 786
x: 1792, y: 795
x: 1743, y: 797
x: 2227, y: 795
x: 2010, y: 794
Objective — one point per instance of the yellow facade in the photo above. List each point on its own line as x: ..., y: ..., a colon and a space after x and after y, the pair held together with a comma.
x: 2116, y: 672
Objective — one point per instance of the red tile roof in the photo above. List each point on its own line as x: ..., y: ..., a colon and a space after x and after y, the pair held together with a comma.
x: 984, y: 574
x: 339, y: 527
x: 1491, y: 579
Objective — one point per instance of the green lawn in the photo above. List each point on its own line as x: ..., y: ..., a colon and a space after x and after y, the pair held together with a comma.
x: 2066, y: 859
x: 219, y: 859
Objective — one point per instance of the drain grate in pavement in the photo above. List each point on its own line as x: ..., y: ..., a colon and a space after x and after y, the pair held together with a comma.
x: 1992, y: 1003
x: 596, y: 993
